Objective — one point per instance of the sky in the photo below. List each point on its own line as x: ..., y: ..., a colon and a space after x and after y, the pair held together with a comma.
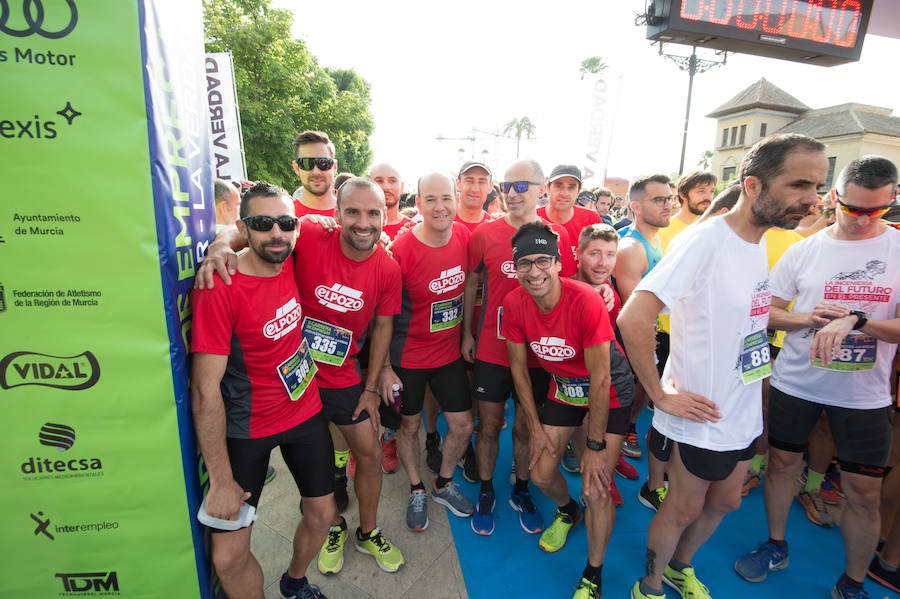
x: 451, y: 69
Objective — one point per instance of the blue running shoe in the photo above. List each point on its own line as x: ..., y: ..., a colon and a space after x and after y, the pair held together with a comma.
x: 842, y: 590
x: 483, y: 517
x: 298, y: 588
x: 570, y: 460
x: 529, y: 517
x: 756, y: 565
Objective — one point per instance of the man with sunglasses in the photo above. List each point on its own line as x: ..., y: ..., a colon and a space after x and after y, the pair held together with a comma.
x: 253, y: 389
x: 715, y: 282
x: 490, y: 254
x: 345, y: 281
x: 314, y: 163
x: 564, y: 184
x: 836, y: 357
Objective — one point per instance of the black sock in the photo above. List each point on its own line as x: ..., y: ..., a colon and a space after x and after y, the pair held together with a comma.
x: 592, y: 573
x: 431, y: 436
x: 295, y: 582
x: 570, y: 509
x: 677, y: 565
x: 440, y: 482
x: 521, y: 485
x: 781, y: 543
x: 849, y: 582
x: 420, y: 486
x: 487, y: 486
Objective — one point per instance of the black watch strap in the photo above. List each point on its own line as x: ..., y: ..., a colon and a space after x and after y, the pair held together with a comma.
x: 595, y: 445
x: 861, y: 319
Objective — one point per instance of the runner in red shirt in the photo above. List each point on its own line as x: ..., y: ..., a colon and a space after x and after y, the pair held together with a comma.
x: 564, y: 184
x: 473, y: 184
x: 390, y: 182
x: 566, y: 325
x: 425, y: 345
x: 253, y: 389
x: 490, y: 255
x: 314, y: 163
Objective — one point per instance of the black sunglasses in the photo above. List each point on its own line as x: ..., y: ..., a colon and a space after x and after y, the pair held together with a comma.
x: 265, y: 223
x: 307, y: 164
x: 519, y: 186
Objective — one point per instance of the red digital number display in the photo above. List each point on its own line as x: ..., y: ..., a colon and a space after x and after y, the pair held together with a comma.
x: 832, y: 22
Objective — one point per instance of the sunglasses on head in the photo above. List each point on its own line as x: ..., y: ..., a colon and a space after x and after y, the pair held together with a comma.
x: 322, y: 162
x: 855, y: 211
x: 519, y: 186
x: 265, y: 223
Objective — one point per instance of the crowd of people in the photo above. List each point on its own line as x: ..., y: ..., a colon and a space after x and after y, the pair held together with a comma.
x: 760, y: 327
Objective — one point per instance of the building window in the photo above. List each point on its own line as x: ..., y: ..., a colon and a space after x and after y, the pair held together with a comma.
x: 725, y: 137
x: 743, y: 136
x: 832, y: 161
x: 733, y: 136
x: 762, y: 129
x: 728, y: 173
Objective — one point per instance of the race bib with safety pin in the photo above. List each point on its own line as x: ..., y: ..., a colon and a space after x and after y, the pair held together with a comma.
x: 755, y: 358
x: 857, y: 353
x: 574, y: 391
x: 328, y: 344
x: 298, y: 371
x: 446, y: 314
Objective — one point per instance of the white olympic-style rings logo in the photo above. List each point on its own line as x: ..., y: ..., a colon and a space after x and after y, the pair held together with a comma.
x: 33, y: 13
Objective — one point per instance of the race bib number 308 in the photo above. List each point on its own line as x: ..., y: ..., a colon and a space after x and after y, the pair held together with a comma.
x: 297, y: 372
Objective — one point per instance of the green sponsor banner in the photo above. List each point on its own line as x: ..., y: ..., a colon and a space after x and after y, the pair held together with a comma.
x: 91, y: 459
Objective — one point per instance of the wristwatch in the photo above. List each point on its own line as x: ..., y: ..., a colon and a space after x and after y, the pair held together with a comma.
x: 861, y: 319
x: 595, y: 445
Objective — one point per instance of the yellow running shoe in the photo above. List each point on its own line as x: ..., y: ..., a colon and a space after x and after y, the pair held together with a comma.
x: 386, y: 555
x: 331, y: 555
x: 686, y: 583
x: 554, y: 538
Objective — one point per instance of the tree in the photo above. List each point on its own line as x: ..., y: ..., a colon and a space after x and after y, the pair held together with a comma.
x: 282, y: 90
x: 705, y: 160
x: 591, y: 66
x: 517, y: 128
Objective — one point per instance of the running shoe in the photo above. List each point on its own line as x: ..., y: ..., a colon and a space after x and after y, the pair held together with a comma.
x: 652, y: 498
x: 451, y: 498
x: 417, y: 511
x: 615, y: 495
x: 829, y: 493
x: 389, y: 461
x: 554, y: 538
x: 386, y: 555
x: 298, y: 588
x: 331, y: 555
x: 469, y: 464
x: 270, y: 475
x: 751, y: 482
x: 756, y: 565
x: 630, y: 447
x: 843, y: 591
x: 626, y: 470
x: 483, y: 516
x: 433, y: 454
x: 341, y: 497
x: 529, y: 517
x: 816, y: 510
x: 883, y: 576
x: 587, y: 589
x: 637, y: 594
x: 570, y: 460
x: 686, y: 583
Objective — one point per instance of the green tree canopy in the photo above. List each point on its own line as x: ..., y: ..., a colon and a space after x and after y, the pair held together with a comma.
x: 518, y: 128
x: 282, y: 90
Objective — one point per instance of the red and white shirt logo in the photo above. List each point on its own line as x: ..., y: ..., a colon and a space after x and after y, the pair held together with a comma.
x: 448, y: 280
x: 552, y: 349
x: 340, y: 298
x: 509, y: 269
x: 285, y: 321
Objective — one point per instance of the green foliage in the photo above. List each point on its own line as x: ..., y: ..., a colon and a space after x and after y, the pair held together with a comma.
x: 592, y: 66
x: 282, y: 90
x: 518, y: 128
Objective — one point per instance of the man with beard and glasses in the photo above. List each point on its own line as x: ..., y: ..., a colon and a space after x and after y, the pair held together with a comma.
x: 390, y: 182
x: 715, y: 283
x: 842, y: 334
x: 314, y: 163
x: 346, y: 281
x: 252, y: 390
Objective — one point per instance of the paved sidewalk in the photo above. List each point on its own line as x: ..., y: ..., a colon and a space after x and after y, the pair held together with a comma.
x: 431, y: 570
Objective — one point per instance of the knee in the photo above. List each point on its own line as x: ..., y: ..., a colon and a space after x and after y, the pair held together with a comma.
x: 229, y: 557
x: 683, y: 513
x: 490, y: 423
x: 726, y: 505
x: 409, y: 426
x: 542, y: 476
x: 461, y: 427
x: 369, y: 456
x: 319, y: 513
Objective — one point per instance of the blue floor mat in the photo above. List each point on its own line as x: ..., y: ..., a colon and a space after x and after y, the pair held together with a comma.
x: 509, y: 563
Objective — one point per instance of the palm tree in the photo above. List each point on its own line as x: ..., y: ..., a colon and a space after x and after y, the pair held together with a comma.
x: 517, y: 128
x: 705, y: 160
x: 592, y: 66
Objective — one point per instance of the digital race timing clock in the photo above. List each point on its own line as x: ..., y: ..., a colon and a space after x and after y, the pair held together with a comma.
x: 823, y: 32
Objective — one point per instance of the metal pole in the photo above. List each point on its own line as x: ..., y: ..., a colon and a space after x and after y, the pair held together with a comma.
x: 692, y: 69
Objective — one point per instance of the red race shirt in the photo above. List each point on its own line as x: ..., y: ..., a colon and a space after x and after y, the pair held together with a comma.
x: 472, y: 226
x: 301, y: 209
x: 490, y: 252
x: 427, y: 330
x: 340, y: 297
x: 255, y: 321
x: 582, y: 218
x: 392, y: 230
x: 559, y: 337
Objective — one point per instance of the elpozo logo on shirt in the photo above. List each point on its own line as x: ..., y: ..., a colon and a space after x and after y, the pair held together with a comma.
x: 285, y: 321
x: 340, y: 298
x: 552, y: 349
x: 448, y: 280
x: 508, y: 268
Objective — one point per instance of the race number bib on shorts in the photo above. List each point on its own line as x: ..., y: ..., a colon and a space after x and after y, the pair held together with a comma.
x: 446, y: 314
x: 328, y: 344
x: 573, y: 391
x: 755, y: 359
x: 857, y: 353
x: 297, y: 372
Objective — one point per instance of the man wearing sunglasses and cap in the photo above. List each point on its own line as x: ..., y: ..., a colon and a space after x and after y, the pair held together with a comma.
x: 253, y: 389
x: 314, y: 163
x: 837, y: 357
x: 563, y: 185
x: 566, y: 325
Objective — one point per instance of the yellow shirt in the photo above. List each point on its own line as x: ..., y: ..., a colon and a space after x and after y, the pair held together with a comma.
x: 777, y: 242
x: 666, y: 235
